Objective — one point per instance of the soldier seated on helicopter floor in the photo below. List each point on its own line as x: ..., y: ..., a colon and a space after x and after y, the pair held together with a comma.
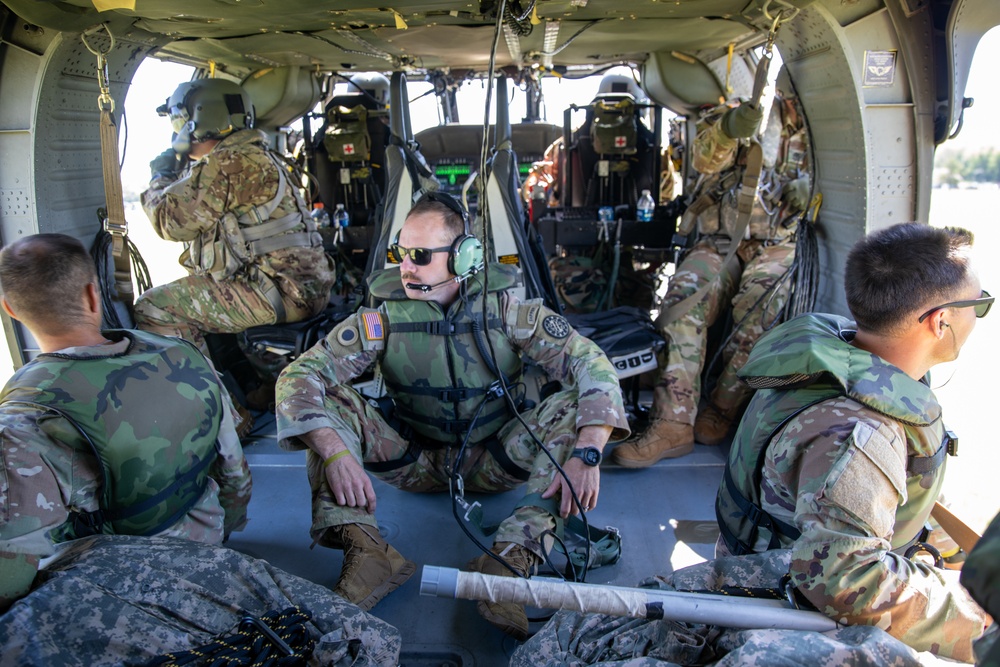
x: 85, y: 447
x: 450, y: 412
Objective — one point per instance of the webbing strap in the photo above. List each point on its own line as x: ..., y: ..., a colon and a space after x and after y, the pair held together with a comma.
x: 921, y: 465
x: 744, y: 207
x: 115, y: 223
x: 444, y: 327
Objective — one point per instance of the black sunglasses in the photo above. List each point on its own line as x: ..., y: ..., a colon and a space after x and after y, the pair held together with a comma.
x: 420, y: 256
x: 982, y: 305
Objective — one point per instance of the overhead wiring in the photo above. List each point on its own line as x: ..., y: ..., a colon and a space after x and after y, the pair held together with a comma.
x: 491, y: 355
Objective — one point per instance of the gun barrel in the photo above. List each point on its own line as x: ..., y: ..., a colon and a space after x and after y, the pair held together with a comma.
x: 728, y: 611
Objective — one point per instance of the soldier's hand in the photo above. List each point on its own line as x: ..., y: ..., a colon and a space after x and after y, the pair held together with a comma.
x: 167, y: 164
x: 586, y: 481
x: 350, y: 483
x: 742, y: 122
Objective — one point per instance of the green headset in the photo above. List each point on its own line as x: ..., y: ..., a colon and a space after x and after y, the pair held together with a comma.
x: 465, y: 258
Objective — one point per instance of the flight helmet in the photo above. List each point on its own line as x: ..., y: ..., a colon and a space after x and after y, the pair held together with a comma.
x: 208, y: 109
x: 371, y: 83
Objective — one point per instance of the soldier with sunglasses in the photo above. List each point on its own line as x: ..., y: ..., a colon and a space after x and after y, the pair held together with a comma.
x: 448, y: 339
x: 841, y: 454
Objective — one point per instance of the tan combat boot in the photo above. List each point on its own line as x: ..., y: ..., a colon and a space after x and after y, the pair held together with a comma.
x: 372, y: 568
x: 712, y: 425
x: 507, y: 616
x: 662, y: 439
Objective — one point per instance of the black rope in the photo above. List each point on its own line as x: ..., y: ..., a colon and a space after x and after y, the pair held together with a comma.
x: 101, y: 252
x: 276, y: 639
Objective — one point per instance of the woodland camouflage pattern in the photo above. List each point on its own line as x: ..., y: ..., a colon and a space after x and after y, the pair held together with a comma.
x: 141, y: 597
x: 981, y: 576
x: 235, y: 176
x: 838, y: 472
x: 48, y: 467
x: 572, y: 638
x: 314, y: 392
x: 762, y: 259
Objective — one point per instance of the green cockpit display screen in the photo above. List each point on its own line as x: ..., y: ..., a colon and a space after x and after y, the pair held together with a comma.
x: 456, y: 174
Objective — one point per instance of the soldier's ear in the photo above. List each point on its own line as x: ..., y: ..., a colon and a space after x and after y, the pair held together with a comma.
x: 93, y: 298
x: 6, y: 307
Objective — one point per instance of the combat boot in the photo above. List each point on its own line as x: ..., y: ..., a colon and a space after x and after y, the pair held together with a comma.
x: 507, y: 616
x: 662, y: 439
x: 244, y: 425
x: 712, y: 425
x: 372, y: 568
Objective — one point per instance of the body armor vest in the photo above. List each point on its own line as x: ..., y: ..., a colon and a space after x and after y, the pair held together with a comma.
x: 813, y: 375
x: 437, y: 365
x: 151, y: 417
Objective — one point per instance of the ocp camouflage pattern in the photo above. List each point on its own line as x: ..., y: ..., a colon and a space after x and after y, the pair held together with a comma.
x: 838, y: 472
x: 678, y: 384
x: 314, y: 392
x: 235, y: 176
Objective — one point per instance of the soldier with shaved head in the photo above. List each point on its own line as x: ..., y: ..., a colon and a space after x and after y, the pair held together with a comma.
x: 113, y: 432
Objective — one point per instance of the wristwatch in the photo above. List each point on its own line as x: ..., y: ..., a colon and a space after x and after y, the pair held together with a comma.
x: 590, y: 455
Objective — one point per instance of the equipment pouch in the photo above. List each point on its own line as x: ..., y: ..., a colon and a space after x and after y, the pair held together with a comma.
x: 347, y: 138
x: 613, y: 129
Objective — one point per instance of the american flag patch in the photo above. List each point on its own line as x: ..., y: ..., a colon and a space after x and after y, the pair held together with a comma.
x: 373, y: 325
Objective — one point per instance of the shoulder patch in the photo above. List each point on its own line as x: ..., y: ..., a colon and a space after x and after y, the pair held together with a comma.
x: 556, y: 326
x: 374, y: 328
x: 347, y: 336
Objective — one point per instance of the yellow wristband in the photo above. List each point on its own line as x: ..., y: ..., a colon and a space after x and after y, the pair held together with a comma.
x: 336, y: 456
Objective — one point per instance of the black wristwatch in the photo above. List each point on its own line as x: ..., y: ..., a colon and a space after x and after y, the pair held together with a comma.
x: 590, y: 455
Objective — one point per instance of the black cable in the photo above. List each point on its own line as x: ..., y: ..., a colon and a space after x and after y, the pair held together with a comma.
x: 101, y: 252
x: 484, y: 212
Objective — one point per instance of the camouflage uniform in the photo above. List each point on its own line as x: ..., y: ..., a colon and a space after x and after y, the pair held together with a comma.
x: 981, y: 576
x: 572, y: 638
x: 314, y: 392
x: 50, y: 473
x: 845, y: 450
x: 143, y: 597
x: 227, y: 294
x: 764, y: 257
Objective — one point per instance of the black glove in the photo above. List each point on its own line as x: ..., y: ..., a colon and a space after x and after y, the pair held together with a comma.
x: 742, y: 122
x: 167, y: 164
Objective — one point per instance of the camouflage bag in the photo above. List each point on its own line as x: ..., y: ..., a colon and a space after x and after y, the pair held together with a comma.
x: 347, y: 138
x: 613, y: 129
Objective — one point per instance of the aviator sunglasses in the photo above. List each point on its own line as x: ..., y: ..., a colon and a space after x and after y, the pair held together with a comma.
x: 420, y: 256
x: 982, y: 305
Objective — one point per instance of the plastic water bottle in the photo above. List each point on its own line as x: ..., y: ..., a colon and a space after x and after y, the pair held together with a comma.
x: 320, y: 216
x: 340, y: 217
x: 644, y: 207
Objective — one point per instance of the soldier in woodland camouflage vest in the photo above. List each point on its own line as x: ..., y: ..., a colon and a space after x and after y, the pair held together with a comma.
x: 441, y: 363
x: 842, y: 452
x: 105, y: 432
x: 253, y: 252
x: 705, y: 285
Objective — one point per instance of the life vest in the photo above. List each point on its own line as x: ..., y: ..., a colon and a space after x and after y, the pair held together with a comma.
x: 443, y: 380
x: 246, y: 234
x: 803, y: 363
x: 151, y: 417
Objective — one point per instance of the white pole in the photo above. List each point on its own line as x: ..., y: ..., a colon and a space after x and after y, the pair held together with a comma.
x: 727, y: 611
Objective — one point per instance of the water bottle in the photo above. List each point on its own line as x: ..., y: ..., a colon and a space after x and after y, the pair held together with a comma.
x: 320, y: 216
x: 340, y: 217
x: 644, y: 208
